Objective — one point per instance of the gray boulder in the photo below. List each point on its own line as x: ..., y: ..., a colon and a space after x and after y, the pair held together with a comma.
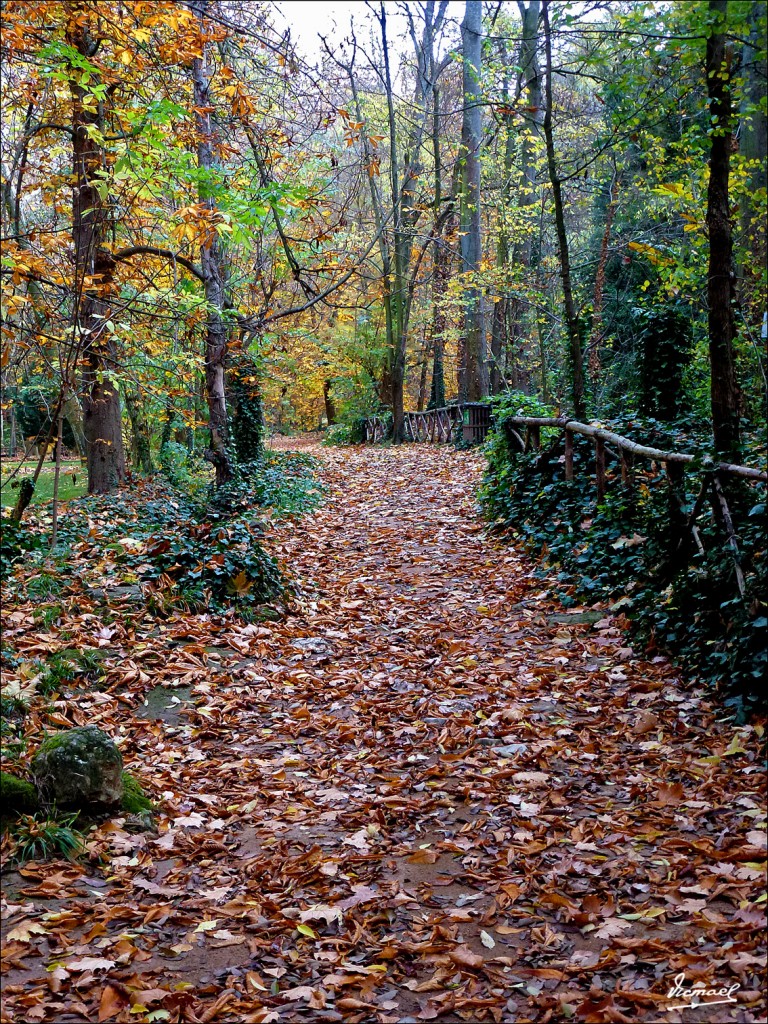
x: 80, y: 768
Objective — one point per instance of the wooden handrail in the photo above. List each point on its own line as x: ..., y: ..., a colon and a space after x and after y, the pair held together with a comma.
x: 434, y: 418
x: 624, y: 443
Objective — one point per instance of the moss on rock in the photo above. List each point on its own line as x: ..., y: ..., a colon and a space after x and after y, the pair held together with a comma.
x: 79, y: 768
x: 17, y: 796
x: 134, y: 799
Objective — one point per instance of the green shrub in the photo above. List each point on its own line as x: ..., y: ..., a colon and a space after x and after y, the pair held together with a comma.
x: 345, y: 433
x: 16, y: 539
x: 285, y: 482
x: 184, y: 469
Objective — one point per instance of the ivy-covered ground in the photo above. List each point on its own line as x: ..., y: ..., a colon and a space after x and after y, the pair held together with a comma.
x: 429, y: 791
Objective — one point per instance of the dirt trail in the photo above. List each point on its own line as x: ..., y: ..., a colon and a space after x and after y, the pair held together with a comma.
x: 428, y: 793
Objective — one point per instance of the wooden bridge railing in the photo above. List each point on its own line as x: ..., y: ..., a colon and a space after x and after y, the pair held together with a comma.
x: 626, y: 450
x: 468, y: 422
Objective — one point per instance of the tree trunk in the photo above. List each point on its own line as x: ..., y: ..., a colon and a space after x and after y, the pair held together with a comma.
x: 440, y: 277
x: 475, y: 378
x: 571, y: 319
x: 212, y: 263
x: 724, y: 392
x: 94, y: 269
x: 141, y: 452
x: 330, y: 407
x: 597, y: 299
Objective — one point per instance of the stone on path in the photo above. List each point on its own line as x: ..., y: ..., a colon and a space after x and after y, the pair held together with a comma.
x: 80, y: 767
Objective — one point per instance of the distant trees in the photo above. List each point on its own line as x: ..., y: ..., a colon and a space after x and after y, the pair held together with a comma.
x: 519, y: 201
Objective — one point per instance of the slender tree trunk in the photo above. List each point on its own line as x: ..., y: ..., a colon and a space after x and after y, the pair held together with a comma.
x: 476, y: 375
x: 421, y: 401
x: 440, y: 259
x: 725, y: 398
x: 753, y: 134
x: 385, y: 392
x: 597, y: 299
x: 94, y: 268
x: 400, y: 252
x: 212, y: 263
x: 57, y: 476
x: 571, y: 318
x: 525, y: 252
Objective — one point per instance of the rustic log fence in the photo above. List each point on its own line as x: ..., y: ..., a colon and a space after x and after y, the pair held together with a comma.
x: 626, y: 452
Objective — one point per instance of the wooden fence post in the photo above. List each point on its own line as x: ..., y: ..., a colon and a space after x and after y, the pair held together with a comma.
x: 627, y: 468
x: 568, y: 455
x: 678, y: 523
x: 600, y: 468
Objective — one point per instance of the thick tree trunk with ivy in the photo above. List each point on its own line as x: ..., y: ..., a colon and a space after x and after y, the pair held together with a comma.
x: 94, y: 271
x: 212, y: 264
x: 725, y: 398
x: 578, y: 395
x: 141, y: 451
x: 244, y: 386
x: 440, y: 278
x: 475, y: 378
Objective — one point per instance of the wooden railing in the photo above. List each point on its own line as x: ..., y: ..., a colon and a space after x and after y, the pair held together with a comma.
x: 626, y: 451
x: 468, y: 422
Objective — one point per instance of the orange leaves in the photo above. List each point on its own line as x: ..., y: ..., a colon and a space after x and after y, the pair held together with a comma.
x: 198, y: 224
x: 241, y: 103
x: 394, y: 804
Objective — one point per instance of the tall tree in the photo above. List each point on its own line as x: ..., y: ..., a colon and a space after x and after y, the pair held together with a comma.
x: 474, y: 380
x: 724, y: 391
x: 94, y: 266
x: 578, y: 396
x: 212, y: 263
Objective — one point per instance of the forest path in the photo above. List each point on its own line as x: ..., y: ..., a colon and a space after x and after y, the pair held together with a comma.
x: 427, y: 793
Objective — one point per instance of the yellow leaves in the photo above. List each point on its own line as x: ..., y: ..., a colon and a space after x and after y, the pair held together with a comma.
x: 652, y: 254
x: 735, y: 746
x: 239, y: 584
x: 199, y: 224
x: 125, y: 56
x: 14, y: 302
x: 24, y: 931
x: 674, y: 188
x: 240, y: 99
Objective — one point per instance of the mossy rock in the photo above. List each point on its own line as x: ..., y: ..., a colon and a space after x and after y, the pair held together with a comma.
x: 135, y: 800
x: 17, y: 796
x: 79, y: 768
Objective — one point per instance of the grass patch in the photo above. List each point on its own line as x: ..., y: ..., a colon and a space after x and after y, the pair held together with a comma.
x: 73, y: 483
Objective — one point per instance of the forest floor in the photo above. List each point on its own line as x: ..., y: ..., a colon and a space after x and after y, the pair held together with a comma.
x: 429, y: 792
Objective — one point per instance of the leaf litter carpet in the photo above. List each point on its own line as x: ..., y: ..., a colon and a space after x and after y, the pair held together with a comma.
x: 428, y: 793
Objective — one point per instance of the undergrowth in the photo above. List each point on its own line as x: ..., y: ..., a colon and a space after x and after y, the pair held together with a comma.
x: 351, y: 432
x: 43, y: 837
x: 182, y: 543
x: 628, y: 549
